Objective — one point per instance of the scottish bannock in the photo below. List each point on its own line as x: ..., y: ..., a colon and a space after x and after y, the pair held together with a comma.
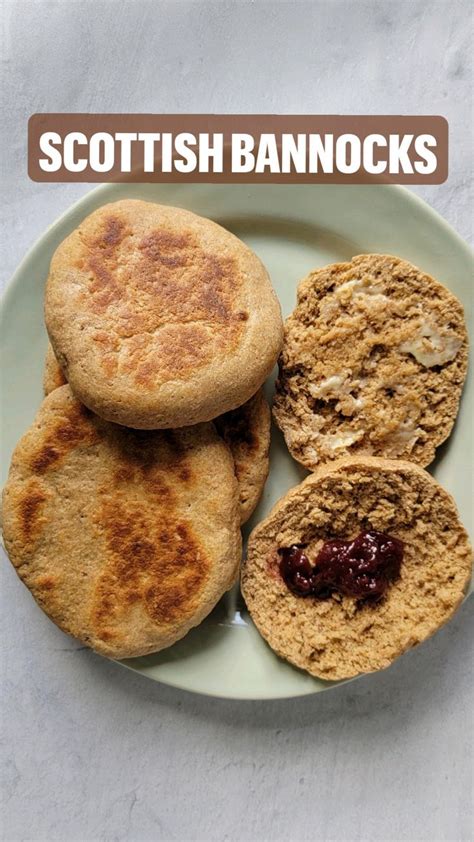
x: 361, y: 561
x: 160, y: 318
x: 126, y: 539
x: 373, y: 363
x: 246, y: 431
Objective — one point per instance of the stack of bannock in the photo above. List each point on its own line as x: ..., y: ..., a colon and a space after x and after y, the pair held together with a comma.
x: 124, y: 502
x: 367, y: 556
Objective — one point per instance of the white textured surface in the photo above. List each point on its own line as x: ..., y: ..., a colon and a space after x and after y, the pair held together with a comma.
x: 94, y: 752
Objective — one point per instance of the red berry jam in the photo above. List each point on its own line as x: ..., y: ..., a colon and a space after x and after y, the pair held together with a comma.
x: 362, y: 568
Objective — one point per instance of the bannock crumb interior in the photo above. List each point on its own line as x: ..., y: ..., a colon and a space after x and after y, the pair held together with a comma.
x: 340, y: 636
x: 373, y: 363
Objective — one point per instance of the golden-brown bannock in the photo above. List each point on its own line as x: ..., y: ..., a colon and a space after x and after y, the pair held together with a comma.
x: 160, y: 318
x: 53, y: 375
x: 246, y: 431
x: 126, y: 539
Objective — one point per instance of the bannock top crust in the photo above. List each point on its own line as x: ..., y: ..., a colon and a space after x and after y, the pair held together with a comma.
x: 160, y: 318
x: 126, y: 539
x: 246, y: 431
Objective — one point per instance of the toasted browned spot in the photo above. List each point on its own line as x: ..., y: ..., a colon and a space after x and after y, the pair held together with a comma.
x: 46, y: 457
x: 181, y: 282
x: 218, y: 281
x: 157, y: 487
x: 110, y: 365
x: 152, y: 558
x: 124, y: 475
x: 133, y: 596
x: 103, y: 286
x: 108, y: 634
x: 30, y: 507
x: 172, y: 596
x: 107, y: 346
x: 182, y: 531
x: 46, y: 582
x: 173, y: 306
x: 68, y: 433
x: 167, y: 248
x: 102, y: 263
x: 105, y: 343
x: 114, y: 231
x: 236, y: 428
x: 135, y: 451
x: 176, y: 350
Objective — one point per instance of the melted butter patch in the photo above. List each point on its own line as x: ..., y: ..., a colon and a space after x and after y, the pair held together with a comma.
x: 402, y: 439
x: 348, y: 302
x: 430, y: 347
x: 342, y: 439
x: 359, y: 287
x: 338, y: 387
x: 330, y: 386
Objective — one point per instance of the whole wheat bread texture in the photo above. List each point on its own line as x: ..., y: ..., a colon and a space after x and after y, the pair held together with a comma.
x: 160, y: 318
x: 246, y: 431
x: 373, y: 363
x: 341, y: 637
x: 126, y: 539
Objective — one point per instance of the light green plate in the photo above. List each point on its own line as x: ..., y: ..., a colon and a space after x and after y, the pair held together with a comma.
x: 293, y: 229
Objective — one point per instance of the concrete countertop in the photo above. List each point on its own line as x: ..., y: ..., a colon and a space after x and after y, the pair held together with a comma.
x: 95, y: 752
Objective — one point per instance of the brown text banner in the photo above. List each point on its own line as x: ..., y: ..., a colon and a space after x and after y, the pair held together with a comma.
x: 238, y: 148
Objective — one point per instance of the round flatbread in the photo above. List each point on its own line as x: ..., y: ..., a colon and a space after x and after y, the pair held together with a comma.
x: 339, y: 636
x: 374, y: 361
x: 126, y: 539
x: 53, y: 375
x: 160, y: 318
x: 246, y: 431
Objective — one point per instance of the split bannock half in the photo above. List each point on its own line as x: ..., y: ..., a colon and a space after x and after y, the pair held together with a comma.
x: 339, y: 636
x: 373, y: 363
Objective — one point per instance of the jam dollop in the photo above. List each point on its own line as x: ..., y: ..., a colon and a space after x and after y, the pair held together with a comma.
x: 362, y: 568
